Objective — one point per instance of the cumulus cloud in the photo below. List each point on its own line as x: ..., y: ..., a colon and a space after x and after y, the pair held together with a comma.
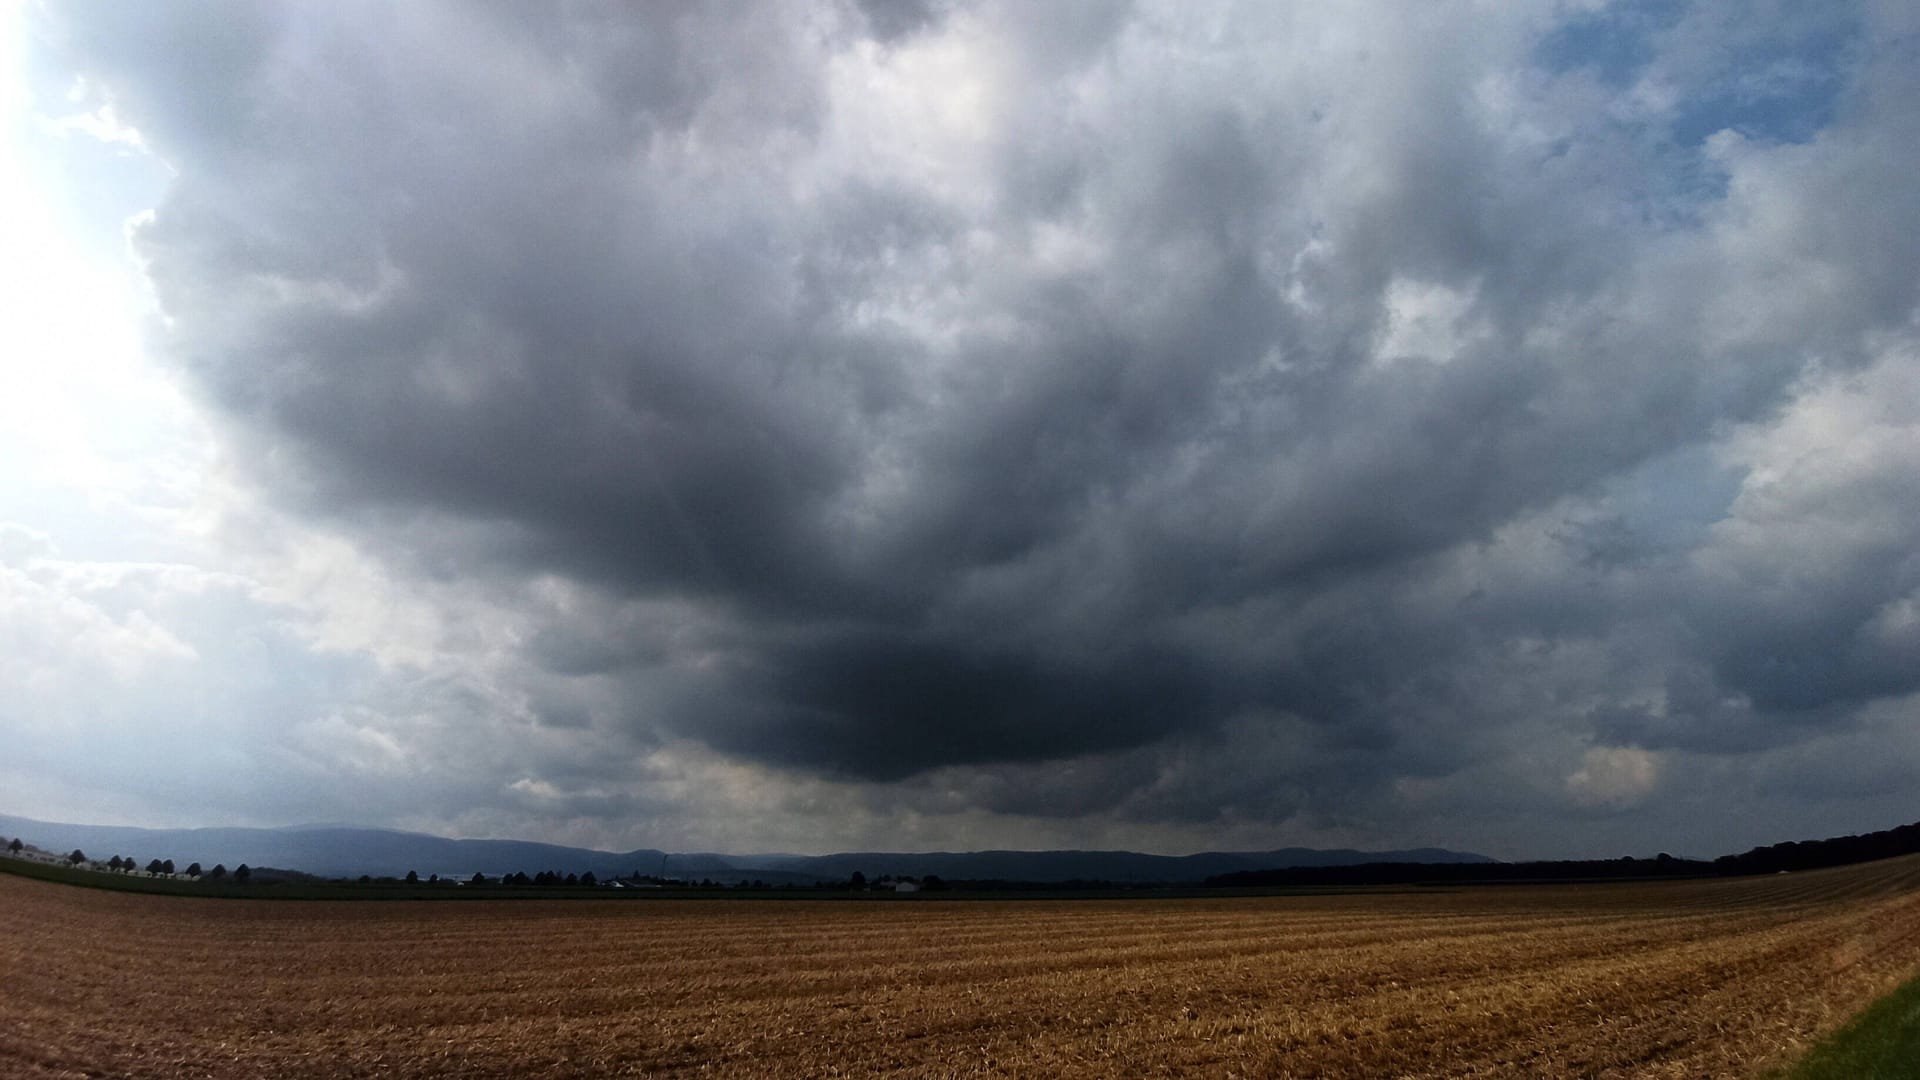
x: 1614, y: 775
x: 1355, y: 422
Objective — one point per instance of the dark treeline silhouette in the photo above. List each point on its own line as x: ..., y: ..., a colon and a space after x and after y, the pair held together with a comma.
x: 1774, y: 858
x: 1010, y: 885
x: 1813, y: 854
x: 1441, y: 873
x: 544, y: 879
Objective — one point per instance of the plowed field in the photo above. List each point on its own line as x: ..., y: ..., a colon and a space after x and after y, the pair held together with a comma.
x: 1713, y: 978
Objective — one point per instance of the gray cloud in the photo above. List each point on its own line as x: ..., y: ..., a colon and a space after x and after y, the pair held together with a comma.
x: 1269, y: 415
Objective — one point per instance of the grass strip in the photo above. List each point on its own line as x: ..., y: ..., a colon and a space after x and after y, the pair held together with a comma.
x: 1882, y: 1043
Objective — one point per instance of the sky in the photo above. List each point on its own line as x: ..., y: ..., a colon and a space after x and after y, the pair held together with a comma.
x: 947, y: 425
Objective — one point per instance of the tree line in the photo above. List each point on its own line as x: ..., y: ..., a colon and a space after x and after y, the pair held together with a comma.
x: 155, y: 867
x: 1791, y: 855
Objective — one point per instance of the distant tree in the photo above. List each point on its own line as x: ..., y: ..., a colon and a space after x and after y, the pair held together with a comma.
x: 242, y: 873
x: 366, y: 879
x: 77, y: 857
x: 193, y: 871
x: 573, y: 879
x: 413, y: 877
x: 15, y: 846
x: 478, y: 878
x: 114, y: 863
x: 156, y: 867
x: 219, y: 871
x: 587, y: 879
x: 167, y: 867
x: 858, y: 881
x: 932, y: 883
x: 433, y: 879
x: 520, y: 878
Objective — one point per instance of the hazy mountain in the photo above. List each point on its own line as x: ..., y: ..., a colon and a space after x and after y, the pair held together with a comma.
x: 1119, y: 866
x: 342, y: 851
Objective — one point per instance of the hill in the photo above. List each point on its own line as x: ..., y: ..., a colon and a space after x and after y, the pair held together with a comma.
x: 1779, y: 858
x: 337, y: 851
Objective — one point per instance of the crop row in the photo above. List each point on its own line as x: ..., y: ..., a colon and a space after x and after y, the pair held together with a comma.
x: 1716, y: 977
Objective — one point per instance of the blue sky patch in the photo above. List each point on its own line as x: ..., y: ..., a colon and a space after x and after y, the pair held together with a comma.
x: 1771, y: 79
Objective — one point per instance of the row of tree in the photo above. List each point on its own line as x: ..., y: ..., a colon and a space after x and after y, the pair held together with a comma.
x: 1814, y: 854
x: 931, y: 882
x: 164, y: 867
x: 155, y: 867
x: 544, y: 879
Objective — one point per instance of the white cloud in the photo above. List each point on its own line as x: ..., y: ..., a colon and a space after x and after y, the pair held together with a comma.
x: 1615, y: 776
x: 64, y: 621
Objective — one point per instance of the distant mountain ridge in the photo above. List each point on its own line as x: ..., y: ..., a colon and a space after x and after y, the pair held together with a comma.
x: 343, y: 851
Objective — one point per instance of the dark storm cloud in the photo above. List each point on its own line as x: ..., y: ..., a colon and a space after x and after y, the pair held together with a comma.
x: 871, y: 703
x: 890, y: 20
x: 1013, y: 385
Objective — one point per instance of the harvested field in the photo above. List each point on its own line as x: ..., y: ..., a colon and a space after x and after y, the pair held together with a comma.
x: 1710, y: 978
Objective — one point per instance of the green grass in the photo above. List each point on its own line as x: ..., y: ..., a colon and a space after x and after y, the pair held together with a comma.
x: 96, y: 879
x: 1882, y: 1043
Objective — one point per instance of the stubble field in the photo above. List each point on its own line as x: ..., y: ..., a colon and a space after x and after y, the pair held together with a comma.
x: 1712, y: 978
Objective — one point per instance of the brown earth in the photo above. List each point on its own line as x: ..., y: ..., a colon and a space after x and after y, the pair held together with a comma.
x: 1676, y: 979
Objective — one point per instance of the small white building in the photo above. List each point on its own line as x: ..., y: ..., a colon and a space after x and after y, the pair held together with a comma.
x: 905, y: 886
